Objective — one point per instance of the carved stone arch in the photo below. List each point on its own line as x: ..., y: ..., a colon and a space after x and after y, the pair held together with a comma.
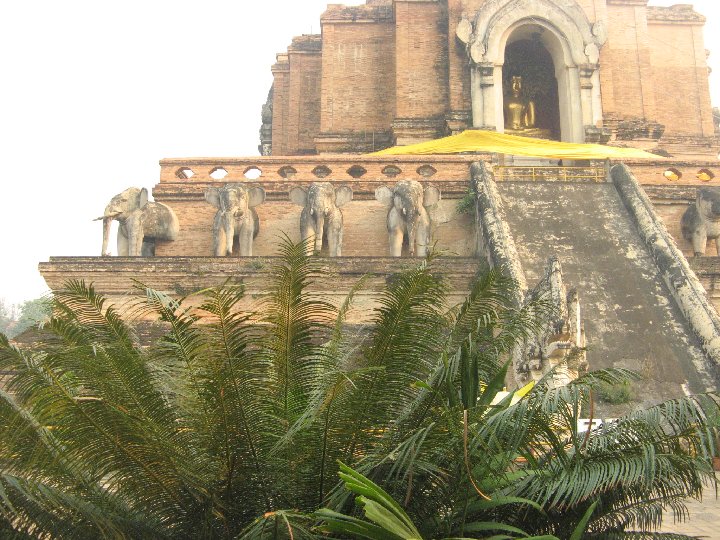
x: 570, y: 39
x: 565, y: 17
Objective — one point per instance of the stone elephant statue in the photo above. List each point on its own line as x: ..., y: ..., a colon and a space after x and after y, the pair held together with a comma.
x: 142, y: 223
x: 236, y: 217
x: 701, y: 221
x: 408, y: 220
x: 321, y: 216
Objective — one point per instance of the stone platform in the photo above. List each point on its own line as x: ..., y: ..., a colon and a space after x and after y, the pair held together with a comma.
x: 118, y: 277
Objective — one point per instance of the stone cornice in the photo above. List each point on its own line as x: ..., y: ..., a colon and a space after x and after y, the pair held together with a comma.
x: 681, y: 13
x: 373, y: 12
x: 306, y: 44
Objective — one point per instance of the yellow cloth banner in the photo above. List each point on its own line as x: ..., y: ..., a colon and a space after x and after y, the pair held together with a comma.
x: 500, y: 143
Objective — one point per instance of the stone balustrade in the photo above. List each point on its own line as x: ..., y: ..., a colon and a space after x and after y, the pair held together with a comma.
x: 318, y: 168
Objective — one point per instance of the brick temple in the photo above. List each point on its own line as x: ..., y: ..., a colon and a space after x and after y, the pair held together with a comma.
x: 604, y: 238
x: 402, y: 71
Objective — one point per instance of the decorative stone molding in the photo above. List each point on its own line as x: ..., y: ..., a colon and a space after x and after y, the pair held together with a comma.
x: 495, y: 16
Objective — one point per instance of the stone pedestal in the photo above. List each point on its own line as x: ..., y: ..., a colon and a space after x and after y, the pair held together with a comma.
x: 535, y: 133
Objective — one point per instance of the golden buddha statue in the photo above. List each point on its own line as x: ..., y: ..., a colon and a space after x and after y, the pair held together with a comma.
x: 520, y: 113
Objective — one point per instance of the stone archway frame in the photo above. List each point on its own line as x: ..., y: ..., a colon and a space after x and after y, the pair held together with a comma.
x: 571, y: 40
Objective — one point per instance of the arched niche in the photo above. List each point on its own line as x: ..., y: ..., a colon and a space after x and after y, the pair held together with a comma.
x: 571, y: 40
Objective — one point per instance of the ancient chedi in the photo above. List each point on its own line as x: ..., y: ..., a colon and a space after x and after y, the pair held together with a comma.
x: 401, y: 71
x: 633, y: 285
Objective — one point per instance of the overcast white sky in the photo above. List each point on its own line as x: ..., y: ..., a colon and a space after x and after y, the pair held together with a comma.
x: 94, y: 93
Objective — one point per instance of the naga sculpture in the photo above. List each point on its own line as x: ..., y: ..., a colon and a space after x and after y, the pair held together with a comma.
x: 236, y: 217
x: 559, y: 346
x: 142, y: 223
x: 408, y: 220
x: 701, y: 221
x: 321, y: 215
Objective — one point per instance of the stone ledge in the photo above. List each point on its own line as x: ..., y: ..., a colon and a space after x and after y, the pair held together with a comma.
x: 680, y: 13
x: 117, y: 277
x: 306, y: 43
x: 374, y: 12
x: 705, y: 266
x: 279, y: 191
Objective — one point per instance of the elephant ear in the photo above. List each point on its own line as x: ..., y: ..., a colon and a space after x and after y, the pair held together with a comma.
x: 431, y: 196
x: 299, y: 196
x: 142, y: 199
x: 256, y: 196
x: 385, y: 195
x: 343, y: 195
x: 212, y: 195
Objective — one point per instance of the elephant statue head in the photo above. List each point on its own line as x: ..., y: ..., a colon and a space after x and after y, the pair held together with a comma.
x: 141, y: 223
x: 235, y: 217
x: 321, y: 215
x: 408, y: 220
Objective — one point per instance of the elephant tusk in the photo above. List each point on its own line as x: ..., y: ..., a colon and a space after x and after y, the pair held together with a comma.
x: 110, y: 216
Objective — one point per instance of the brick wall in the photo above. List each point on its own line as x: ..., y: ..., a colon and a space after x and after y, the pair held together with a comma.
x: 365, y: 233
x: 421, y: 34
x: 281, y: 102
x: 358, y: 76
x: 626, y: 74
x: 680, y: 76
x: 303, y: 124
x: 401, y: 60
x: 458, y: 68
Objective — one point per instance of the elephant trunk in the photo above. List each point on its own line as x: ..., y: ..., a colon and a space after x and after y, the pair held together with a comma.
x: 319, y: 230
x: 412, y: 234
x: 107, y: 224
x: 229, y: 225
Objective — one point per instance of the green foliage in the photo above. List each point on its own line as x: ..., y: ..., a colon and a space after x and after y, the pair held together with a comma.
x: 7, y: 316
x: 15, y: 320
x: 467, y: 204
x: 233, y: 422
x: 615, y: 394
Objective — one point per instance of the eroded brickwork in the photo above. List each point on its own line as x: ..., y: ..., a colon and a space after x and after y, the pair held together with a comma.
x: 395, y: 72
